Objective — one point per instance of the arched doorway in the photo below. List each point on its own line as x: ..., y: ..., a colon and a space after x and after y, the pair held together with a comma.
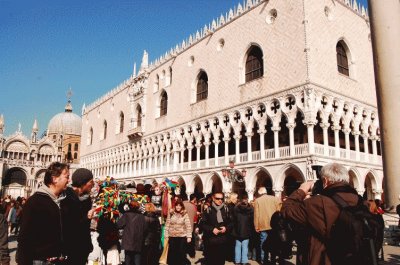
x: 198, y: 187
x: 263, y: 179
x: 353, y: 181
x: 293, y: 180
x: 368, y: 193
x: 14, y: 182
x: 216, y: 184
x: 182, y: 186
x: 239, y: 188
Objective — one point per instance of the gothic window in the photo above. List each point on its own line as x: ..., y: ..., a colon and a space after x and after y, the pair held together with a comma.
x: 202, y: 86
x: 76, y: 147
x: 254, y: 64
x: 342, y: 60
x: 121, y: 122
x: 139, y: 116
x: 157, y: 83
x: 163, y: 104
x: 170, y: 75
x: 91, y: 136
x: 104, y: 130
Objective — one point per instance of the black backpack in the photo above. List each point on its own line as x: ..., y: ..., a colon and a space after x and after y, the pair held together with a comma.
x: 352, y: 237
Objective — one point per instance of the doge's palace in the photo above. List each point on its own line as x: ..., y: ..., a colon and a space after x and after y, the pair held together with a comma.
x: 280, y: 88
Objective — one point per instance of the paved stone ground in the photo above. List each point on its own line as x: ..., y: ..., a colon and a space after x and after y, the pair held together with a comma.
x: 392, y: 255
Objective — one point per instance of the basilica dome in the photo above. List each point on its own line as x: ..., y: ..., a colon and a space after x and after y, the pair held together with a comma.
x: 65, y: 122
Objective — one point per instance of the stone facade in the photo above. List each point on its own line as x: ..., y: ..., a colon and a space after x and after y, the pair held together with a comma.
x: 300, y: 113
x: 23, y: 160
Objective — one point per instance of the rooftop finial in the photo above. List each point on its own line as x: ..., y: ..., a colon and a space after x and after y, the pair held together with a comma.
x: 145, y: 60
x: 68, y: 107
x: 35, y: 127
x: 134, y: 70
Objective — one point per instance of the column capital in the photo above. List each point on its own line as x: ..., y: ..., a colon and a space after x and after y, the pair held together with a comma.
x: 291, y: 125
x: 324, y: 125
x: 262, y: 131
x: 249, y: 134
x: 216, y: 141
x: 336, y: 127
x: 276, y: 129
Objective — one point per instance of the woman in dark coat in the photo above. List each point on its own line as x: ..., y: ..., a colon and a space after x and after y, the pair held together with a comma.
x: 133, y: 225
x: 151, y: 249
x: 242, y: 231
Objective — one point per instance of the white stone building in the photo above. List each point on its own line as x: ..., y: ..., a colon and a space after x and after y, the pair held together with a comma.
x: 278, y: 86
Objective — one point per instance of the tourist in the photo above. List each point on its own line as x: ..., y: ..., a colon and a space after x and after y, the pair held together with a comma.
x: 40, y: 237
x: 242, y: 231
x: 151, y: 249
x: 4, y: 251
x: 191, y: 209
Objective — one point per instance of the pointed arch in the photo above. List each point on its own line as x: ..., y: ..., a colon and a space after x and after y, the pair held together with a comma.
x: 254, y: 64
x: 163, y: 103
x: 202, y: 86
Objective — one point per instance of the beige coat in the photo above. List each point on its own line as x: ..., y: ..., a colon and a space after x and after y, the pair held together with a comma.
x: 264, y: 207
x: 178, y: 225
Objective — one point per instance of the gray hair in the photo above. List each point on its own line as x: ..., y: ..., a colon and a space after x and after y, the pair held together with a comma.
x: 335, y: 172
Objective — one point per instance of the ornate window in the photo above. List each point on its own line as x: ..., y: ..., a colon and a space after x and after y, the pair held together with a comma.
x: 202, y: 86
x: 76, y: 147
x: 139, y: 116
x: 254, y: 64
x: 163, y: 104
x: 342, y: 60
x: 121, y: 122
x: 104, y: 130
x: 91, y: 136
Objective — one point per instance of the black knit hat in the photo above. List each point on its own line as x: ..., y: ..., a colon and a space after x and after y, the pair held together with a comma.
x: 81, y: 176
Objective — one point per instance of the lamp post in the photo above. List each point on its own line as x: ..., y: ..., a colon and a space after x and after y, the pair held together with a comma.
x: 232, y: 175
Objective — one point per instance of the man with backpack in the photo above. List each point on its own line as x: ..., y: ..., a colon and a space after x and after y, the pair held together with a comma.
x: 339, y: 226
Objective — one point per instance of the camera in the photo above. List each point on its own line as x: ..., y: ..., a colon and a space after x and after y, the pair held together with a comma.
x: 318, y: 185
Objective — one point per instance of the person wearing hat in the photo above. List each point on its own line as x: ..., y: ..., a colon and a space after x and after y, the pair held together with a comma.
x: 77, y: 212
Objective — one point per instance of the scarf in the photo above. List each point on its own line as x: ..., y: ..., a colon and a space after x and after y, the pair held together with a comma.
x: 219, y: 214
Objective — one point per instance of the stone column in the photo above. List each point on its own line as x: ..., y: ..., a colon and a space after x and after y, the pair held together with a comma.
x: 262, y: 143
x: 325, y: 127
x: 249, y: 151
x: 291, y: 126
x: 366, y: 149
x: 336, y: 129
x: 226, y: 141
x: 207, y: 145
x: 357, y: 141
x: 198, y: 146
x: 216, y: 142
x: 276, y: 140
x: 310, y: 138
x: 385, y: 28
x: 190, y: 148
x: 168, y: 161
x: 182, y: 157
x: 250, y: 194
x: 237, y: 148
x: 347, y: 141
x: 162, y: 161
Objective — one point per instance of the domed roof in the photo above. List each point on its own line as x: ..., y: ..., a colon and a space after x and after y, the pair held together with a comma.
x: 65, y: 122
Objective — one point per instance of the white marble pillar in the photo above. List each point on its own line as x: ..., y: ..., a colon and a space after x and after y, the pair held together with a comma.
x: 198, y: 146
x: 366, y: 149
x: 249, y: 151
x: 325, y: 127
x: 347, y: 141
x: 291, y: 126
x: 262, y: 143
x: 216, y: 142
x: 237, y: 148
x: 207, y: 147
x: 357, y: 142
x: 310, y: 138
x: 276, y: 140
x: 190, y: 148
x: 226, y: 141
x: 337, y: 143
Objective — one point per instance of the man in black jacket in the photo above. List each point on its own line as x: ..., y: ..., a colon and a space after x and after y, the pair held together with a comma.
x: 40, y: 241
x: 4, y: 251
x: 216, y: 225
x: 77, y: 211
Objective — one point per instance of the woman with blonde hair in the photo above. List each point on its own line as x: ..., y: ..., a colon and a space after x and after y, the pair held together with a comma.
x: 178, y: 232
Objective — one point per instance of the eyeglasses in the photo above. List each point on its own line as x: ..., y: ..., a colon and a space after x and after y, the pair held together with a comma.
x: 219, y: 198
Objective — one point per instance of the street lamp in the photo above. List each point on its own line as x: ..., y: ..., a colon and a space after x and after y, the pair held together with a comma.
x: 232, y: 175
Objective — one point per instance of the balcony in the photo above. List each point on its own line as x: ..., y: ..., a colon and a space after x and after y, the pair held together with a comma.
x: 299, y: 150
x: 135, y: 133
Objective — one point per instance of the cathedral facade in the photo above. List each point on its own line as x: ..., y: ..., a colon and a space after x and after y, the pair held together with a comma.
x: 23, y: 160
x: 275, y: 89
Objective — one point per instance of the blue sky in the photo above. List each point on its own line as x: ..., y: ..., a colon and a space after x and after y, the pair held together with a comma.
x: 48, y: 46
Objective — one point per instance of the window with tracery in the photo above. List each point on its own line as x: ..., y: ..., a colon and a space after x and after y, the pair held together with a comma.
x: 121, y: 122
x: 342, y: 60
x: 163, y: 104
x: 254, y: 64
x: 104, y: 130
x: 139, y: 116
x: 202, y: 87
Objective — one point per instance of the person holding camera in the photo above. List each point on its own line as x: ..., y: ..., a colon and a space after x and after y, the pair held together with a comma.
x: 216, y: 225
x: 318, y: 213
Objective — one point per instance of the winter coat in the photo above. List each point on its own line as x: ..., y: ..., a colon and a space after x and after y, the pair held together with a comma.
x: 178, y: 225
x: 209, y: 222
x: 76, y: 224
x: 4, y: 251
x: 40, y: 236
x: 317, y: 214
x: 153, y: 229
x: 242, y: 221
x: 264, y: 207
x: 108, y: 234
x: 134, y: 226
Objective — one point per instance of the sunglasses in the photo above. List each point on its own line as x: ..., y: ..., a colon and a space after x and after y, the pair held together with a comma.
x: 219, y: 198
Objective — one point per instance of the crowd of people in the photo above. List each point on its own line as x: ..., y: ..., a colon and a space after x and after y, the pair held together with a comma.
x: 59, y: 224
